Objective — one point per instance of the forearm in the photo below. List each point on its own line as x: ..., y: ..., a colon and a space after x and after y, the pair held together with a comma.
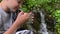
x: 13, y: 28
x: 19, y: 21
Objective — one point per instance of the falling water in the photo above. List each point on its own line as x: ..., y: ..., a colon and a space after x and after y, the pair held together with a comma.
x: 43, y: 25
x: 43, y: 29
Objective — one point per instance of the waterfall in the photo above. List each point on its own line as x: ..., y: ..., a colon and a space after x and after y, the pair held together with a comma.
x: 43, y: 25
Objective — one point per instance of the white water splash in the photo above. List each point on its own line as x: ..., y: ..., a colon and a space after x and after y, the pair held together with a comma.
x: 43, y: 24
x: 43, y: 29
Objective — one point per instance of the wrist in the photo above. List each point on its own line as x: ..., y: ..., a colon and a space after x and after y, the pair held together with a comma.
x: 19, y: 22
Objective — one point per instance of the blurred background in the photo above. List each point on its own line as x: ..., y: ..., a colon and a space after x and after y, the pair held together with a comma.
x: 46, y: 13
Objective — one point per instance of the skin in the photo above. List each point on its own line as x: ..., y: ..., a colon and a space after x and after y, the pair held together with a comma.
x: 21, y: 18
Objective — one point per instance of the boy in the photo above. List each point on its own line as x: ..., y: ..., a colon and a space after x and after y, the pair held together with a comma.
x: 6, y: 7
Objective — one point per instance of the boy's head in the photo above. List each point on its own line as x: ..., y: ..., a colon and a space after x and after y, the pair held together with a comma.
x: 13, y: 4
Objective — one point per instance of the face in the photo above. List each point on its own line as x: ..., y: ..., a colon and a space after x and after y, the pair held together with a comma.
x: 14, y: 4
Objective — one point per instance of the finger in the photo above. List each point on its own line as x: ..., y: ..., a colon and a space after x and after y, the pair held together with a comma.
x: 32, y: 20
x: 27, y: 14
x: 21, y: 12
x: 30, y: 12
x: 33, y: 17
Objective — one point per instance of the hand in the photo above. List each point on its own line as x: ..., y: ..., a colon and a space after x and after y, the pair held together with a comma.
x: 32, y: 16
x: 22, y: 17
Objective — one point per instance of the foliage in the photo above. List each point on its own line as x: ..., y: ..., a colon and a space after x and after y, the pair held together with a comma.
x: 51, y: 7
x: 57, y: 16
x: 0, y: 0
